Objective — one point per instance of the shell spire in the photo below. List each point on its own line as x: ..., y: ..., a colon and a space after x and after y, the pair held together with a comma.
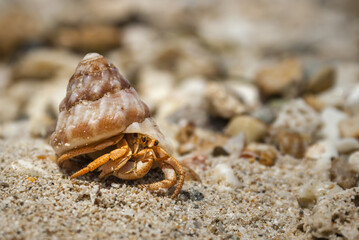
x: 99, y: 103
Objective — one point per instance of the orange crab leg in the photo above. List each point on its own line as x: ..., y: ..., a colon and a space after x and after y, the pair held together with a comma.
x: 113, y: 155
x: 92, y: 166
x: 118, y: 158
x: 170, y: 167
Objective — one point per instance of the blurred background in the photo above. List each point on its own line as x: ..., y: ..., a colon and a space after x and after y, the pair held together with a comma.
x: 193, y: 62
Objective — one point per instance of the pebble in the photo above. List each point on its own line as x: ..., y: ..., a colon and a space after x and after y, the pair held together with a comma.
x: 234, y: 145
x: 4, y: 184
x: 187, y: 102
x: 88, y: 38
x: 352, y: 101
x: 265, y: 114
x: 349, y: 127
x: 10, y: 108
x: 322, y: 152
x: 298, y: 116
x: 154, y: 86
x: 323, y: 80
x: 347, y: 145
x: 335, y: 216
x: 310, y: 193
x: 5, y: 77
x: 281, y: 79
x: 253, y: 128
x: 330, y: 118
x: 313, y: 101
x: 247, y: 92
x: 196, y: 195
x: 341, y: 173
x: 292, y: 143
x: 224, y: 173
x: 219, y: 151
x: 44, y: 63
x: 223, y: 102
x: 354, y: 161
x: 263, y: 153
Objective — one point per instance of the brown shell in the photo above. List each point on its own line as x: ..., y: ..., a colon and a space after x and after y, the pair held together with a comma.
x: 99, y: 104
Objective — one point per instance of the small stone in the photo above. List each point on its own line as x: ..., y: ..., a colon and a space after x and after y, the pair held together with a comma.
x: 265, y: 114
x: 224, y: 173
x: 335, y: 215
x: 310, y: 193
x: 341, y: 173
x: 263, y: 153
x: 247, y: 92
x: 347, y: 145
x: 184, y: 195
x: 253, y: 128
x: 313, y: 101
x: 281, y: 79
x: 349, y: 127
x: 190, y: 175
x: 44, y: 63
x: 292, y: 143
x: 196, y: 195
x: 154, y: 86
x: 298, y: 116
x: 187, y: 139
x: 352, y: 100
x: 223, y: 102
x: 322, y: 152
x: 87, y: 38
x: 235, y: 144
x: 330, y: 118
x: 4, y: 184
x: 354, y: 162
x: 323, y: 80
x: 219, y: 151
x: 10, y: 108
x: 194, y: 161
x: 5, y: 77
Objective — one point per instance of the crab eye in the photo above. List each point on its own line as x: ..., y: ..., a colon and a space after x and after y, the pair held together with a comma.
x: 156, y: 142
x: 143, y: 139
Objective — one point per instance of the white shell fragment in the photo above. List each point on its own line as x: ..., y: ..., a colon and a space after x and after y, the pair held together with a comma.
x: 331, y: 118
x: 224, y: 173
x: 323, y: 152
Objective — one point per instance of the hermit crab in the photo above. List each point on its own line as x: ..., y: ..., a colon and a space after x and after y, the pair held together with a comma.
x: 102, y: 119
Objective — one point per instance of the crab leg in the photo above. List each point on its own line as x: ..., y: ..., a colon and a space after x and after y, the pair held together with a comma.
x: 171, y: 168
x: 113, y: 155
x: 169, y: 181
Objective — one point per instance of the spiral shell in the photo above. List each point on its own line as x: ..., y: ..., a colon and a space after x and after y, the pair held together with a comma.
x: 99, y: 104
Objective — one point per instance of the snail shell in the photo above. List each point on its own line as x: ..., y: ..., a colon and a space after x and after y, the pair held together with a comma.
x: 100, y: 103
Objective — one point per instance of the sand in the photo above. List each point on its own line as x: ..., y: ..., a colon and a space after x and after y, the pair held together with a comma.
x: 39, y: 201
